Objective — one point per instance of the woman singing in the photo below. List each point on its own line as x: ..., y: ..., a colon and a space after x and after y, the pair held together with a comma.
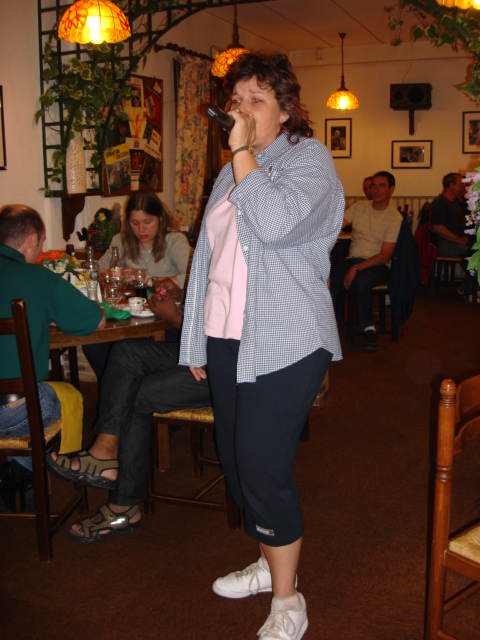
x: 259, y: 312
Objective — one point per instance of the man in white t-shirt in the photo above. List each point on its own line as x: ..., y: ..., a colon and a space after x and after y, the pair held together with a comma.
x: 375, y: 226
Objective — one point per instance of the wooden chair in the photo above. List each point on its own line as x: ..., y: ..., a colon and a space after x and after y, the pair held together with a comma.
x: 380, y: 307
x: 442, y: 275
x: 198, y: 421
x: 34, y: 446
x: 458, y: 424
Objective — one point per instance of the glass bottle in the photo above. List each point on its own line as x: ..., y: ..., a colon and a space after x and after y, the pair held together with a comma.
x: 90, y: 265
x: 115, y: 270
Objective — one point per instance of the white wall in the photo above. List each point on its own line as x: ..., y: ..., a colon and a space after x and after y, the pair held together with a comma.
x: 19, y: 77
x: 368, y: 73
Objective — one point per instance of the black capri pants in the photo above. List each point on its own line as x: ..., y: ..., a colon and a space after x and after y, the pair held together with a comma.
x: 258, y: 427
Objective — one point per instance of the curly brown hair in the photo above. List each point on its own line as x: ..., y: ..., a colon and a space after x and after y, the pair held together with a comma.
x: 274, y: 71
x: 150, y: 203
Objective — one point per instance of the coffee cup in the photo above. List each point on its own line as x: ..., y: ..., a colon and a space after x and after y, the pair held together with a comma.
x: 136, y: 304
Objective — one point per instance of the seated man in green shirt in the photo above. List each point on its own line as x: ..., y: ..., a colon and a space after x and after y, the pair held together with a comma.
x: 375, y: 226
x: 49, y: 298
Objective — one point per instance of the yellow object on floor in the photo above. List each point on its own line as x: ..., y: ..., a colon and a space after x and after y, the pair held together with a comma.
x: 72, y: 416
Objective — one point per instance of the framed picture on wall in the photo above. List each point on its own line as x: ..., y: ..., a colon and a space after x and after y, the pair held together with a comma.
x: 338, y: 137
x: 471, y: 132
x: 411, y: 154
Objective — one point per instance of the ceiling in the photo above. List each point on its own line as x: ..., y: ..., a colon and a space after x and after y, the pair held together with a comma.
x: 313, y: 24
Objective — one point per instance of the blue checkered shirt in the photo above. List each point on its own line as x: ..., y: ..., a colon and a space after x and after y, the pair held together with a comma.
x: 289, y: 213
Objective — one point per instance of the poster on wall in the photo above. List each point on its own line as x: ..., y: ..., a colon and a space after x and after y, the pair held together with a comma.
x: 117, y: 163
x: 139, y: 132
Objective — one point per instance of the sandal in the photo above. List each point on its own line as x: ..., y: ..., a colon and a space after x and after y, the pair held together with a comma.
x: 116, y: 524
x: 89, y: 472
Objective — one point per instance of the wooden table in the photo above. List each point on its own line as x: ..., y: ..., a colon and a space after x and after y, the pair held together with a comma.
x: 114, y: 331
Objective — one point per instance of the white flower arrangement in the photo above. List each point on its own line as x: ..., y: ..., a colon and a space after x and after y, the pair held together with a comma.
x: 472, y: 198
x: 59, y: 262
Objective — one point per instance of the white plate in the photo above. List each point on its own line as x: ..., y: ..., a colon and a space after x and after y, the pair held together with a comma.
x: 143, y: 313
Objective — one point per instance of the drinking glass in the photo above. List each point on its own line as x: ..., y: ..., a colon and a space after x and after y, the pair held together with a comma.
x: 140, y: 278
x: 112, y: 294
x: 92, y: 287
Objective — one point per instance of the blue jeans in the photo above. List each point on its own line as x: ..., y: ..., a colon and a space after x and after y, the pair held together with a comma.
x: 361, y: 288
x: 14, y: 420
x: 448, y: 249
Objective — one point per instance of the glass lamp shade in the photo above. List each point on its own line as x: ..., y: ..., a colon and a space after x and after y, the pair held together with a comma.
x: 461, y: 4
x: 225, y: 59
x: 94, y: 21
x: 342, y: 99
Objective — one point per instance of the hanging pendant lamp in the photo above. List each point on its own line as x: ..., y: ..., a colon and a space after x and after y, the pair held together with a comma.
x: 461, y: 4
x: 231, y: 53
x: 94, y: 21
x: 343, y: 98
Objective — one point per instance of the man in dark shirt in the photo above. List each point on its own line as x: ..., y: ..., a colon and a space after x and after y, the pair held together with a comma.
x: 448, y: 219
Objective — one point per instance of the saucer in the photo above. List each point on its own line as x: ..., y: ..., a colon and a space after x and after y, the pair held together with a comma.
x: 143, y: 313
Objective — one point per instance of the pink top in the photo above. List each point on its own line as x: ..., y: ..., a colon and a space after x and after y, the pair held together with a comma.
x: 227, y: 288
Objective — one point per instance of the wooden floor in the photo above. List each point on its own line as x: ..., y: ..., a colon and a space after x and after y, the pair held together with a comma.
x: 365, y: 482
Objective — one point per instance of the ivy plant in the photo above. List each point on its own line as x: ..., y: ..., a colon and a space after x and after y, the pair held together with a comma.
x: 455, y: 27
x: 90, y: 86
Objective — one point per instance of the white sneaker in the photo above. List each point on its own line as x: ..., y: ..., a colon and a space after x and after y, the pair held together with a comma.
x: 285, y: 624
x: 240, y: 584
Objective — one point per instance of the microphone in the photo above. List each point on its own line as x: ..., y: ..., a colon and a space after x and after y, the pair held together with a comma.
x: 220, y: 117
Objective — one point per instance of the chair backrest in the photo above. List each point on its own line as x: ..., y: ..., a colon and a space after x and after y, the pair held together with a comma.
x: 34, y: 445
x: 17, y: 326
x: 459, y: 409
x: 467, y: 412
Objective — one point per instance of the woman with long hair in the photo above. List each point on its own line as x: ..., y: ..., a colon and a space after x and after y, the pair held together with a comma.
x: 150, y: 240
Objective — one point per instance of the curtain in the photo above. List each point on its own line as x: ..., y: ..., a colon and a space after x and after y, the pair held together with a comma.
x: 191, y: 154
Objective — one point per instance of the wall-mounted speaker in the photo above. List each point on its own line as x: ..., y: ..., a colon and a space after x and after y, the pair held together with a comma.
x: 410, y: 96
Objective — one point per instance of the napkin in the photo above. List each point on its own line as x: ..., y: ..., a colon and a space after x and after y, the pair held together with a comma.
x: 72, y: 416
x: 115, y: 314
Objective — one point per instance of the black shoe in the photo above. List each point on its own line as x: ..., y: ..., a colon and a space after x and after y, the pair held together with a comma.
x: 8, y: 487
x: 370, y: 342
